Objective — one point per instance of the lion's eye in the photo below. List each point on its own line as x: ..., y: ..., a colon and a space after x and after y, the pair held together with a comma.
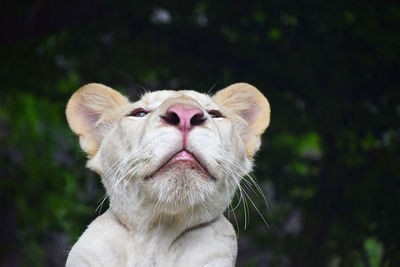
x: 138, y: 113
x: 215, y: 114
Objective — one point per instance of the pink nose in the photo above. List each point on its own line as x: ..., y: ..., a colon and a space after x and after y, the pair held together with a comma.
x: 184, y: 117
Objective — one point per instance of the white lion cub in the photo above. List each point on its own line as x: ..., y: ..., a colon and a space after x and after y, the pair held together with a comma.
x: 170, y: 163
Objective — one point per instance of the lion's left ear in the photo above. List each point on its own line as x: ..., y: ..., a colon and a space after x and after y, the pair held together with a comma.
x: 251, y: 105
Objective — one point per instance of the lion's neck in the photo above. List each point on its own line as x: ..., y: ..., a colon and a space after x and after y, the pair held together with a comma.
x: 148, y: 228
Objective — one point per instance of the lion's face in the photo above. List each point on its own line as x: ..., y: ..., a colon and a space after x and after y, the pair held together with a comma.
x: 171, y: 152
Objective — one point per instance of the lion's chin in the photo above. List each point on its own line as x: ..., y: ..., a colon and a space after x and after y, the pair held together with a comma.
x: 180, y: 186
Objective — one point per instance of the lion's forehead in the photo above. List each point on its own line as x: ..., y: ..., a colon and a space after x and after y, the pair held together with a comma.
x: 154, y: 99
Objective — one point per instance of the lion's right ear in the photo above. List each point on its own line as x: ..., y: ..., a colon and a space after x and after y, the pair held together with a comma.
x: 91, y: 111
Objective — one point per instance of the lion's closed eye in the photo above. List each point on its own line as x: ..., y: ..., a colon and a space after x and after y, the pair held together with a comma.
x: 215, y: 114
x: 139, y: 112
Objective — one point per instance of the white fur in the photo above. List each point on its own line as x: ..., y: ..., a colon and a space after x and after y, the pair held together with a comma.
x: 172, y: 218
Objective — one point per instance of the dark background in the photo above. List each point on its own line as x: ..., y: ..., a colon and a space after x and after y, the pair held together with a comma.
x: 330, y: 161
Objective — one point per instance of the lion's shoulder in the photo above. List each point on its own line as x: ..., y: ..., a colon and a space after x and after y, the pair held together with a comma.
x: 103, y: 241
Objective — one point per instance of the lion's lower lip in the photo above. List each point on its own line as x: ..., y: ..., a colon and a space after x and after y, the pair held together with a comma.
x: 183, y: 155
x: 185, y: 159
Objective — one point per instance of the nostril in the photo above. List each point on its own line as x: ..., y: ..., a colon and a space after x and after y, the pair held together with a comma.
x: 171, y: 118
x: 197, y: 119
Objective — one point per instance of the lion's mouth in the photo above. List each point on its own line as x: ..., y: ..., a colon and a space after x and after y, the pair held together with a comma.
x: 185, y: 160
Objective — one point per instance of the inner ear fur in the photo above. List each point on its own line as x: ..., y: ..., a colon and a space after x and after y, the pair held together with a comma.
x: 251, y: 105
x: 91, y: 111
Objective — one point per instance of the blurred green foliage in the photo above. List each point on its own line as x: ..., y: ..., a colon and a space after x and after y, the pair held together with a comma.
x: 330, y: 160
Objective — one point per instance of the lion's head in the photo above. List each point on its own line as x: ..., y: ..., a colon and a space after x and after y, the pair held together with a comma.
x: 172, y: 154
